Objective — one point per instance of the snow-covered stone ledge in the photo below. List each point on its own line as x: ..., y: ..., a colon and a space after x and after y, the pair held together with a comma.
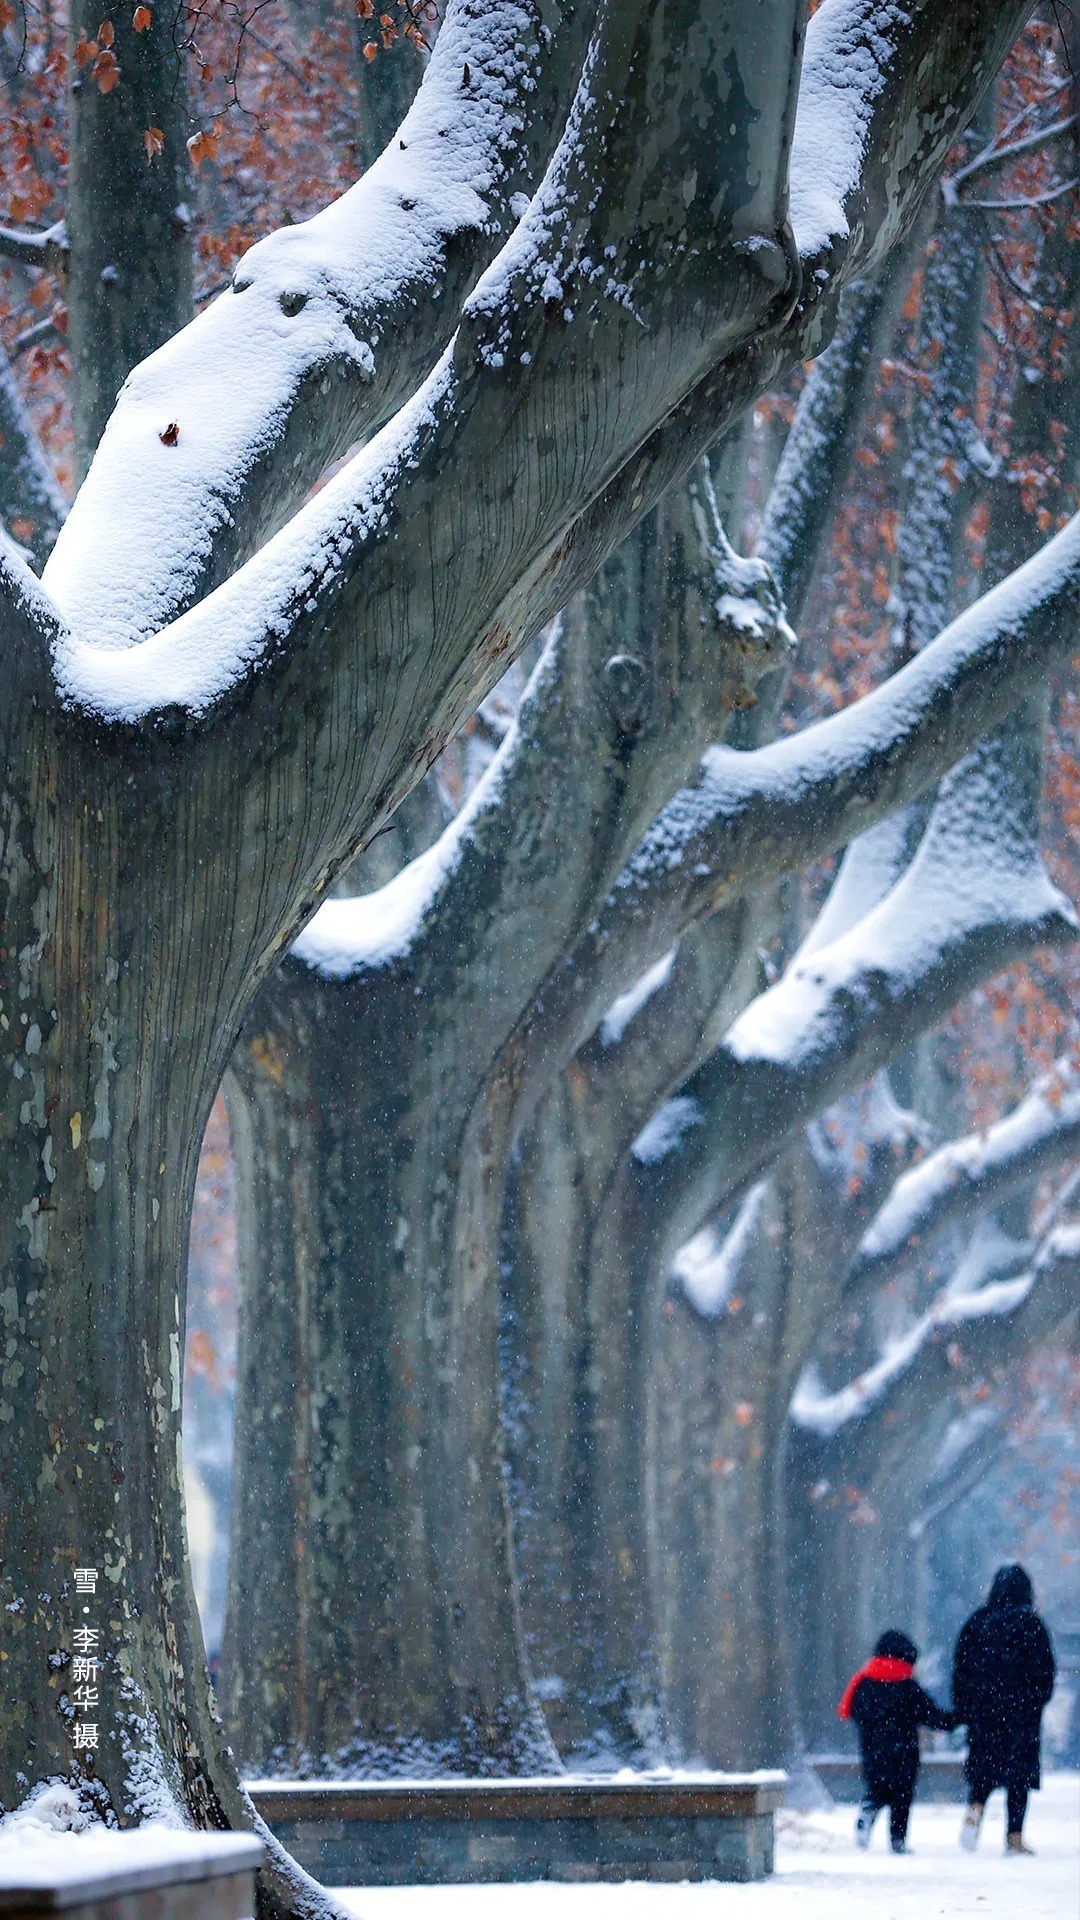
x: 144, y: 1873
x: 709, y: 1826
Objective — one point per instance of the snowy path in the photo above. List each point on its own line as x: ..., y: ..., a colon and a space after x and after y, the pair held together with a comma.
x: 820, y: 1876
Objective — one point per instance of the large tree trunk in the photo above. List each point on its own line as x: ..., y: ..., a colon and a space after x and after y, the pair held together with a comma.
x: 129, y: 272
x: 110, y: 1071
x: 358, y: 1640
x: 178, y: 792
x: 402, y: 1057
x: 719, y: 1380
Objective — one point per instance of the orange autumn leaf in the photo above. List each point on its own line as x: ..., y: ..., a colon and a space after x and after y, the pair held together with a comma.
x: 106, y: 71
x: 169, y: 435
x: 202, y: 146
x: 370, y: 50
x: 141, y: 19
x: 154, y: 141
x: 365, y: 9
x: 106, y: 33
x: 85, y: 51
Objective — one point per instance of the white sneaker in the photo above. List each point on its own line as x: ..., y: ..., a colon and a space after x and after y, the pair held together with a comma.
x: 969, y: 1832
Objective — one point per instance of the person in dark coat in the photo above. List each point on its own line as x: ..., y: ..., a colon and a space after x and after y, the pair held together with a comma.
x: 1003, y: 1676
x: 888, y: 1706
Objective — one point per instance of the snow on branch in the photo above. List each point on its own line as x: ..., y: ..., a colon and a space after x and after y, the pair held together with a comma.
x: 710, y: 847
x: 973, y: 1172
x: 392, y: 601
x: 327, y: 329
x: 576, y: 754
x: 871, y: 72
x: 975, y: 896
x: 589, y: 267
x: 108, y: 590
x: 712, y: 1267
x: 924, y: 75
x: 962, y: 1336
x: 47, y: 248
x: 756, y: 814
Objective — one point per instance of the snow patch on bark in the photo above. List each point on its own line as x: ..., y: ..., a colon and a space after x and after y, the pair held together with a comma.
x: 206, y: 652
x: 1051, y: 1109
x: 845, y: 67
x: 708, y: 1267
x: 629, y: 1004
x: 666, y: 1129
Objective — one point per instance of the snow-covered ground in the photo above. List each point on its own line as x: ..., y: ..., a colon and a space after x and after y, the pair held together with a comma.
x: 819, y: 1876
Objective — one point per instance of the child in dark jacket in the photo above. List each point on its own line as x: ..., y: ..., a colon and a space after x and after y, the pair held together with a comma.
x: 888, y: 1706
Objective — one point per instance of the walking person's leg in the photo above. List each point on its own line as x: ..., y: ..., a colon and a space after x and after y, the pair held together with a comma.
x: 979, y: 1789
x: 1016, y: 1808
x: 899, y: 1814
x: 868, y: 1813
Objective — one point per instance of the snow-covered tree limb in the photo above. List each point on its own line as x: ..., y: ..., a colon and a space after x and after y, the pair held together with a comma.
x: 47, y: 248
x: 756, y: 814
x: 343, y: 523
x: 972, y: 1443
x: 975, y: 896
x: 972, y: 1173
x: 963, y: 1337
x: 328, y: 329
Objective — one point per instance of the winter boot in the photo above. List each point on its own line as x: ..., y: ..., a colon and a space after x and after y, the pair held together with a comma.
x: 900, y: 1846
x: 1015, y: 1843
x: 864, y: 1825
x: 969, y: 1832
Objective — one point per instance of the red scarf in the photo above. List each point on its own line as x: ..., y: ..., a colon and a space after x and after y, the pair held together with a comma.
x: 879, y: 1668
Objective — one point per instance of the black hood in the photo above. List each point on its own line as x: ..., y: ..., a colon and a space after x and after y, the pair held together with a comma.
x: 897, y: 1646
x: 1011, y: 1588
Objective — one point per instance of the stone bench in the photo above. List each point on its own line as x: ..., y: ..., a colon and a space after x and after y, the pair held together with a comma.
x: 454, y: 1832
x: 941, y: 1776
x: 143, y: 1873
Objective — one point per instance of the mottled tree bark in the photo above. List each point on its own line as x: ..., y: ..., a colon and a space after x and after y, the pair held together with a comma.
x: 386, y: 1069
x: 129, y: 266
x: 173, y: 808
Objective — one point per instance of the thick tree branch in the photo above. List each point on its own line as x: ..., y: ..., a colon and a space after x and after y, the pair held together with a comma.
x: 963, y: 1338
x: 328, y: 329
x: 973, y: 898
x: 48, y: 249
x: 300, y: 586
x: 972, y: 1173
x: 830, y: 416
x: 755, y: 815
x: 615, y: 715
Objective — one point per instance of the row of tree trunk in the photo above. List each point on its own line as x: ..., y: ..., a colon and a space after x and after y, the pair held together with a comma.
x: 571, y: 1416
x: 601, y: 233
